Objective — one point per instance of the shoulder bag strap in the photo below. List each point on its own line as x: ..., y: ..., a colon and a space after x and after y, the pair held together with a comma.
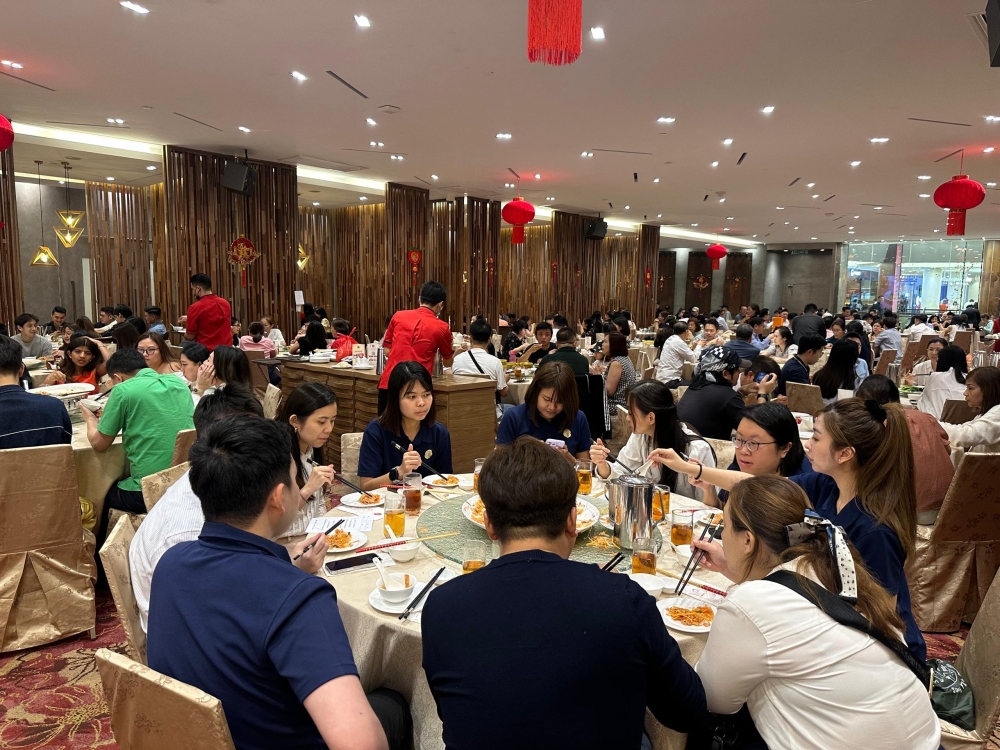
x: 845, y: 614
x: 478, y: 367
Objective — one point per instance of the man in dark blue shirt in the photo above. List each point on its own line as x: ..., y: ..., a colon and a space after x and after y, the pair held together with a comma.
x: 796, y: 369
x: 27, y: 420
x: 742, y: 343
x: 517, y: 653
x: 230, y: 614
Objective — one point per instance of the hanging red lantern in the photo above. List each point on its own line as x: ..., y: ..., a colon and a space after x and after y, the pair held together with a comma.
x: 716, y: 252
x: 555, y: 31
x: 958, y: 195
x: 6, y: 133
x: 517, y: 213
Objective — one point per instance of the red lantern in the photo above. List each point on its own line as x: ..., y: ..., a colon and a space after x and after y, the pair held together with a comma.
x: 6, y: 133
x: 555, y: 31
x: 517, y: 213
x: 716, y: 253
x: 958, y: 195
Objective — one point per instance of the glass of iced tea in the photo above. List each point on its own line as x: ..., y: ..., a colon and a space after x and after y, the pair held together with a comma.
x: 477, y: 467
x: 682, y: 527
x: 517, y: 373
x: 413, y: 493
x: 643, y: 557
x: 395, y: 517
x: 473, y: 556
x: 661, y: 503
x: 585, y: 476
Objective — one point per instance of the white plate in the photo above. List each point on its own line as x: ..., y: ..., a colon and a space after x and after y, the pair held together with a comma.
x: 352, y: 499
x: 64, y: 390
x: 586, y: 514
x: 683, y: 601
x: 429, y: 482
x: 357, y: 540
x: 393, y: 608
x: 32, y: 362
x: 702, y: 516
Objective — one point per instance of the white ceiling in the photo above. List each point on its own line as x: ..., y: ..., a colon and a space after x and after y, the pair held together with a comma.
x: 838, y: 72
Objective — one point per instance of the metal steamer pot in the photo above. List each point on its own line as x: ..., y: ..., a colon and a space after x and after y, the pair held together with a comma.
x: 630, y: 509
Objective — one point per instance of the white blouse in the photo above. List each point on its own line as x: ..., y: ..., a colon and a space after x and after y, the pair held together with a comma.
x: 982, y: 434
x: 638, y: 448
x: 941, y: 387
x: 314, y: 507
x: 922, y: 372
x: 808, y: 681
x: 275, y: 335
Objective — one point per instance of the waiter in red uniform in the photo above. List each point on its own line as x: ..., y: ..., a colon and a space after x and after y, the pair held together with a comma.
x: 416, y: 335
x: 208, y: 320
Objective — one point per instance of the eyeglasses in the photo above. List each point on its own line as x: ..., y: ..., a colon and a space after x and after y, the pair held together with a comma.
x: 750, y: 445
x: 144, y: 352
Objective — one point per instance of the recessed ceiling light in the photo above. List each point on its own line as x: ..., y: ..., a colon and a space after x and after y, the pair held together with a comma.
x: 618, y: 234
x: 814, y: 238
x: 362, y: 21
x: 298, y: 76
x: 850, y: 227
x: 811, y: 184
x: 786, y: 249
x: 16, y: 65
x: 816, y: 196
x: 779, y: 208
x: 596, y: 32
x: 786, y: 223
x: 151, y: 168
x: 244, y: 129
x: 988, y: 150
x: 925, y: 195
x: 666, y: 120
x: 715, y: 163
x: 855, y: 163
x: 755, y: 235
x: 434, y: 176
x: 503, y: 136
x: 937, y: 230
x: 850, y: 232
x: 991, y: 184
x: 134, y: 7
x: 768, y: 110
x: 923, y: 176
x: 372, y: 143
x: 857, y: 217
x: 538, y: 177
x: 550, y: 197
x: 795, y: 227
x: 626, y: 208
x: 111, y: 179
x: 694, y: 225
x: 370, y: 121
x: 363, y: 198
x: 586, y: 153
x: 725, y: 229
x: 722, y: 200
x: 727, y: 142
x: 991, y: 118
x: 656, y: 179
x: 730, y: 218
x: 396, y: 158
x: 315, y: 203
x: 659, y: 216
x: 63, y: 182
x: 878, y: 208
x: 880, y: 140
x: 111, y: 120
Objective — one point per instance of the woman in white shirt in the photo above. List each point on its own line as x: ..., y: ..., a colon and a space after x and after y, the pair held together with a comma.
x: 982, y: 393
x: 653, y: 417
x: 946, y: 382
x: 922, y: 370
x: 673, y: 354
x: 781, y: 344
x: 271, y: 331
x: 807, y: 680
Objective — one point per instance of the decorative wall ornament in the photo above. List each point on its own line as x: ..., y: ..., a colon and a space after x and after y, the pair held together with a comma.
x: 242, y: 253
x: 414, y: 256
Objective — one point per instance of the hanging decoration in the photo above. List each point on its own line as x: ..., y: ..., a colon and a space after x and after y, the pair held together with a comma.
x: 716, y: 252
x: 414, y: 256
x: 555, y: 272
x: 700, y: 283
x: 649, y: 278
x: 70, y: 230
x: 489, y: 270
x: 517, y: 213
x: 958, y: 195
x: 302, y: 259
x: 43, y: 255
x: 242, y: 253
x: 6, y: 133
x: 661, y: 284
x: 555, y: 31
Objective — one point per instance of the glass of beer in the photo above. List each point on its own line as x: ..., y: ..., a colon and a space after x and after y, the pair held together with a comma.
x: 517, y: 373
x: 661, y: 503
x: 643, y: 557
x: 473, y: 556
x: 585, y: 476
x: 413, y: 493
x: 477, y: 467
x: 682, y: 527
x: 395, y: 518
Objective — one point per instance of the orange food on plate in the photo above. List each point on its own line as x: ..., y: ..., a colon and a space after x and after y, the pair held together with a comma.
x: 448, y: 481
x: 340, y: 539
x: 695, y: 617
x: 369, y: 499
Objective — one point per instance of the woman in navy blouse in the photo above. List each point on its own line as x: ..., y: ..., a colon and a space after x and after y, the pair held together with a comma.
x: 395, y: 443
x: 551, y: 411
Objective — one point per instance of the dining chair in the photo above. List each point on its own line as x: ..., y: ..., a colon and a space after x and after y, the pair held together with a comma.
x: 725, y: 452
x: 350, y: 455
x: 687, y: 371
x: 621, y: 430
x: 979, y: 663
x: 150, y: 711
x: 910, y: 355
x: 593, y: 397
x: 258, y: 372
x: 182, y: 444
x: 957, y: 411
x: 963, y: 340
x: 47, y: 564
x: 804, y: 398
x: 885, y: 358
x: 154, y: 485
x: 115, y: 557
x: 648, y: 373
x: 272, y: 401
x: 958, y: 557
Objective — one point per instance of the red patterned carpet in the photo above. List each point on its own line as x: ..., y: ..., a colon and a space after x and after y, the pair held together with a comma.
x: 52, y: 698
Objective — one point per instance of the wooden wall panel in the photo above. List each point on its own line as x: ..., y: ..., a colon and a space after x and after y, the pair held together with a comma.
x: 667, y: 269
x: 736, y: 291
x: 478, y: 239
x: 316, y: 238
x: 364, y: 294
x: 699, y: 265
x: 408, y: 210
x: 523, y: 278
x: 11, y: 284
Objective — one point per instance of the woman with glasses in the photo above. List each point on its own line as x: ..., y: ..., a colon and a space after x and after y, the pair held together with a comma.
x: 155, y: 350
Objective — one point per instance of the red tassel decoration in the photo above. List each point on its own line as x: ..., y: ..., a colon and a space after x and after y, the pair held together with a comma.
x: 555, y: 31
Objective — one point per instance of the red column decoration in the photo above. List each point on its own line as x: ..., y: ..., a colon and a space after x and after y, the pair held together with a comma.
x: 716, y: 252
x: 649, y: 278
x: 414, y: 257
x: 242, y: 253
x: 6, y: 133
x: 517, y: 213
x: 489, y: 269
x: 555, y: 272
x: 555, y: 31
x: 958, y: 195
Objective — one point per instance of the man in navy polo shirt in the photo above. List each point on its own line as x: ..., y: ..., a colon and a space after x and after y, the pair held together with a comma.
x: 230, y: 614
x: 796, y: 369
x: 27, y: 420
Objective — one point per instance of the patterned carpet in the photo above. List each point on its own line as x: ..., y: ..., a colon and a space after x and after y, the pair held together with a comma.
x: 52, y: 698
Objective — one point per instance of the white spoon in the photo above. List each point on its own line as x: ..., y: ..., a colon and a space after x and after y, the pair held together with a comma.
x: 389, y: 530
x: 387, y: 582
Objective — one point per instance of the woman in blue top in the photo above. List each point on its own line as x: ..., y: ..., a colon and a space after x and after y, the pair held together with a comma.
x: 395, y: 443
x: 551, y: 411
x: 862, y: 480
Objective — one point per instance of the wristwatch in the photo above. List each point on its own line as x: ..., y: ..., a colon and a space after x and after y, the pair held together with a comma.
x: 393, y: 474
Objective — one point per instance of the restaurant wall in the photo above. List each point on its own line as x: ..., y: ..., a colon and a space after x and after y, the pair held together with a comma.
x: 316, y: 277
x: 11, y: 281
x: 989, y: 292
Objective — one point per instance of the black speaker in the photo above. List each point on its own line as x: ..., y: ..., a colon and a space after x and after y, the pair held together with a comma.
x: 993, y: 31
x: 239, y: 177
x: 595, y: 230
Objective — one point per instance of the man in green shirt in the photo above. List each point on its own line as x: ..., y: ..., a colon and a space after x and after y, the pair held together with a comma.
x: 149, y: 410
x: 566, y: 352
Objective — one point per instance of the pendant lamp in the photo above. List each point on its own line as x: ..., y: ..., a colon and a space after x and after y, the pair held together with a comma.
x: 43, y: 255
x: 71, y: 230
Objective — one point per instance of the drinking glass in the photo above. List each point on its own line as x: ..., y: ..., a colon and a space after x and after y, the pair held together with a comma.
x: 643, y: 556
x: 477, y: 467
x: 413, y: 493
x: 661, y: 503
x: 473, y: 556
x: 682, y: 527
x: 395, y: 516
x: 585, y: 476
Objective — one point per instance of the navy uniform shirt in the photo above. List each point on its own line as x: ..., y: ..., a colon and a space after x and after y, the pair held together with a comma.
x: 517, y: 422
x: 378, y: 454
x: 28, y: 420
x: 230, y: 614
x: 793, y: 371
x: 878, y: 545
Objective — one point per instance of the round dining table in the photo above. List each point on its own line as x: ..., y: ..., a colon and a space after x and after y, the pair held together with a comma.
x: 96, y: 472
x: 388, y: 651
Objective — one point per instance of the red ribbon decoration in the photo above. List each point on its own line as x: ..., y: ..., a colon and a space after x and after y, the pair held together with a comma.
x: 555, y: 31
x: 414, y: 257
x: 242, y: 253
x: 555, y: 273
x: 489, y: 269
x: 649, y: 278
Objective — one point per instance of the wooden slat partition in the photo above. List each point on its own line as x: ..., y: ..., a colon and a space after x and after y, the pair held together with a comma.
x: 665, y: 279
x: 523, y: 278
x: 11, y: 283
x: 316, y: 238
x: 478, y: 238
x: 407, y: 210
x: 364, y: 295
x: 736, y: 291
x: 699, y: 264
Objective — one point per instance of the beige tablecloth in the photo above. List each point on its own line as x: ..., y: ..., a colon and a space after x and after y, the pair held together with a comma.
x: 38, y: 376
x: 516, y: 392
x: 389, y: 653
x: 96, y: 472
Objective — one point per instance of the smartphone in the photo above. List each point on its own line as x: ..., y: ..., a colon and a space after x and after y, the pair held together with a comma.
x: 351, y: 563
x: 556, y: 443
x: 760, y: 376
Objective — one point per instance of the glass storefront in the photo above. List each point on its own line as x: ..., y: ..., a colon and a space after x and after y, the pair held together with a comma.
x: 910, y: 277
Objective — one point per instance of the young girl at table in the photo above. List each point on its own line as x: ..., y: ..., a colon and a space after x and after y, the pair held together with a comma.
x: 801, y: 674
x: 395, y: 443
x: 310, y: 411
x: 257, y: 340
x: 653, y: 418
x: 862, y: 481
x: 551, y: 411
x: 83, y: 363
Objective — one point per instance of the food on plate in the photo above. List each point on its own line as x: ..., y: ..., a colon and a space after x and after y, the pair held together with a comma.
x: 477, y: 511
x: 448, y: 481
x: 697, y: 617
x: 603, y: 542
x: 340, y: 539
x: 369, y: 500
x: 584, y: 517
x: 712, y: 519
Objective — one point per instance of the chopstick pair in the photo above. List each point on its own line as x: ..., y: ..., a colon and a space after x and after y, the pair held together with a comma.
x: 430, y: 584
x: 613, y: 562
x: 694, y: 560
x: 702, y: 586
x: 423, y: 463
x: 310, y: 546
x: 409, y: 540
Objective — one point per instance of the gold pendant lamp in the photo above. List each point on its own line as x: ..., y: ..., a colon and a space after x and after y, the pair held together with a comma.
x: 43, y: 255
x: 71, y: 230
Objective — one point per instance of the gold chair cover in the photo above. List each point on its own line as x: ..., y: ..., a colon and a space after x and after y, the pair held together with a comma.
x: 150, y: 711
x: 725, y: 452
x: 963, y: 340
x: 47, y: 569
x: 272, y: 400
x: 621, y: 431
x: 910, y: 354
x: 957, y: 411
x: 114, y: 555
x: 804, y: 398
x: 648, y: 373
x: 882, y: 366
x: 156, y: 484
x: 350, y: 455
x: 185, y: 439
x: 957, y: 558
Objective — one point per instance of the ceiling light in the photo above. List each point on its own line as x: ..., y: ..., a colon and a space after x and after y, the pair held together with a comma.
x: 550, y: 197
x: 988, y: 150
x: 596, y: 32
x: 725, y: 229
x: 878, y: 208
x: 244, y: 129
x: 119, y: 121
x: 111, y: 179
x: 694, y: 225
x: 813, y: 238
x: 816, y: 196
x: 715, y: 163
x: 5, y: 62
x: 727, y: 142
x: 298, y: 76
x: 923, y: 176
x: 857, y: 217
x: 811, y: 184
x: 755, y: 235
x: 937, y: 230
x: 730, y: 218
x: 618, y: 234
x: 315, y: 203
x: 372, y: 143
x: 626, y: 208
x: 63, y: 182
x: 151, y: 168
x: 722, y: 200
x: 362, y: 21
x: 855, y: 163
x: 111, y: 120
x: 768, y: 110
x: 850, y: 232
x: 796, y: 228
x: 363, y: 198
x: 779, y: 208
x: 991, y: 184
x: 656, y: 179
x: 538, y: 177
x: 503, y: 136
x: 659, y: 216
x: 880, y: 140
x: 850, y: 227
x: 989, y: 118
x: 397, y: 158
x: 132, y: 6
x: 786, y: 223
x: 434, y: 176
x: 370, y: 121
x: 666, y: 120
x: 925, y: 195
x: 586, y: 153
x: 786, y: 249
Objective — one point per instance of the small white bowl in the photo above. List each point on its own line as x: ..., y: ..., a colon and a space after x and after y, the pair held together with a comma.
x: 395, y: 596
x: 683, y: 552
x: 91, y: 405
x: 650, y: 583
x: 404, y: 552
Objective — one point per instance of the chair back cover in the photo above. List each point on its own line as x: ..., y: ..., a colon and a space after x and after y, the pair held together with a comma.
x: 592, y: 398
x: 957, y: 411
x: 350, y: 455
x: 969, y: 511
x: 963, y: 340
x: 156, y: 484
x: 910, y: 354
x: 886, y: 358
x: 185, y: 439
x: 725, y: 452
x: 258, y: 373
x: 272, y: 400
x: 979, y: 662
x: 114, y: 555
x: 47, y: 572
x: 150, y: 711
x: 804, y: 398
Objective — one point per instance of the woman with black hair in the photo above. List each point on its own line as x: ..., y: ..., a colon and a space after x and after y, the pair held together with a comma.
x: 782, y: 344
x: 313, y: 338
x: 125, y: 336
x: 515, y: 341
x: 856, y: 326
x: 653, y: 418
x: 839, y: 371
x: 947, y: 382
x: 83, y: 362
x: 406, y: 434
